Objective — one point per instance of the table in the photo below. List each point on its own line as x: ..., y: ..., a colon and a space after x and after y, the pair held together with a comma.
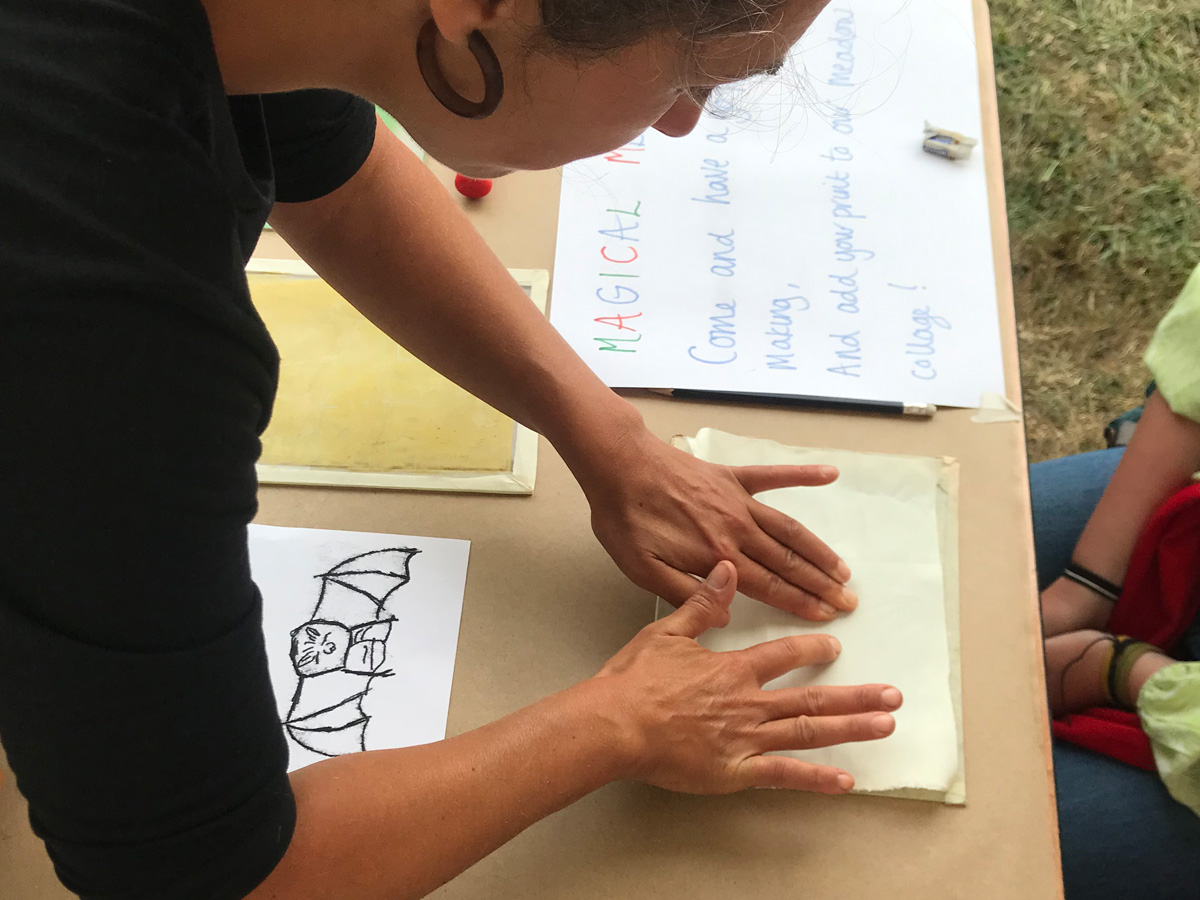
x: 545, y: 607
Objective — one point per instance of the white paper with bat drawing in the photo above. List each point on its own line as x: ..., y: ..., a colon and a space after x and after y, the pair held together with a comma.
x: 361, y: 631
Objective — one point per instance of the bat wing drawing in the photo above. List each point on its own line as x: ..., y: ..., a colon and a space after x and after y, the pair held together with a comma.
x: 342, y: 648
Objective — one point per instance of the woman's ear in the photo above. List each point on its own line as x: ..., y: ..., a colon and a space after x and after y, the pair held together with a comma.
x: 456, y: 19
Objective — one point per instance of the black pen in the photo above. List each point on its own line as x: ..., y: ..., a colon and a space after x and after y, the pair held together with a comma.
x: 886, y: 407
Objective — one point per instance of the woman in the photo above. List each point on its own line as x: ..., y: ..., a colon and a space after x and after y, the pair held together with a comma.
x: 1122, y: 833
x: 144, y: 144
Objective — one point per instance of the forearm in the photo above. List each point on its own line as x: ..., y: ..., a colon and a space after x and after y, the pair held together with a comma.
x: 395, y: 824
x: 1160, y: 459
x: 395, y: 245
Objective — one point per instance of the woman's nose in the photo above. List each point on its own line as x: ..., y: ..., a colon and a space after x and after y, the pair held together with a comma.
x: 680, y: 119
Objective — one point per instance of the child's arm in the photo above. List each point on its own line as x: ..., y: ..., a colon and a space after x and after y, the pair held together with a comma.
x: 1160, y: 459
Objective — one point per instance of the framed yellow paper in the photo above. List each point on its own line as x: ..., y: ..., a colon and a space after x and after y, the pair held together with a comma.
x: 355, y: 409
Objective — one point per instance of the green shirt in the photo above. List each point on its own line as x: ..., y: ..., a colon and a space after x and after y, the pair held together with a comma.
x: 1174, y: 353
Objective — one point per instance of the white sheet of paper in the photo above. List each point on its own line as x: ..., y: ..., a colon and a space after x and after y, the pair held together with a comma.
x: 880, y: 515
x: 379, y: 657
x: 799, y: 241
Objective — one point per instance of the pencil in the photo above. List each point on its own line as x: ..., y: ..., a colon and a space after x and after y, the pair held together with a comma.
x: 885, y: 407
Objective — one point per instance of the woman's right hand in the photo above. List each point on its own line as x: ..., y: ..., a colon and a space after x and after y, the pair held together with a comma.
x: 699, y: 721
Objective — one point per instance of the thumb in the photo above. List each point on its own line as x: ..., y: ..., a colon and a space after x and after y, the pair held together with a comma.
x: 708, y: 607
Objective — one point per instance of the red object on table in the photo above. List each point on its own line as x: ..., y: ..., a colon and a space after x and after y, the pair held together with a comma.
x: 473, y: 188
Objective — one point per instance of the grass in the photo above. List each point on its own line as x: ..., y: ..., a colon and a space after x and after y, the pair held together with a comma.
x: 1100, y: 122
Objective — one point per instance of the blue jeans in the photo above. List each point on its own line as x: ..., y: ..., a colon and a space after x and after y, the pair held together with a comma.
x: 1122, y: 836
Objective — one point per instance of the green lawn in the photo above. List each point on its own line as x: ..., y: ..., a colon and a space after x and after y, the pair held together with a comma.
x: 1100, y: 122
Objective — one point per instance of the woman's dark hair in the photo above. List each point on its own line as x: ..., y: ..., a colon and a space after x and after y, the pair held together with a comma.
x: 600, y: 26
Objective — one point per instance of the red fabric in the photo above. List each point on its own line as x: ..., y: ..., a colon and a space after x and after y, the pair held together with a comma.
x: 1162, y: 587
x: 1160, y: 598
x: 1113, y: 732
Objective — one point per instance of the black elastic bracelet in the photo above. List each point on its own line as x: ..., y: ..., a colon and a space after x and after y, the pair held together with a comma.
x: 1093, y: 582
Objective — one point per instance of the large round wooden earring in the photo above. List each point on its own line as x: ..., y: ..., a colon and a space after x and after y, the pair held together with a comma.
x: 435, y: 79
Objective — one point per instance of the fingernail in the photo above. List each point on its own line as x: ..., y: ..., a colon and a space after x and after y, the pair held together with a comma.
x: 718, y: 577
x: 828, y: 472
x: 849, y: 599
x: 830, y: 611
x: 835, y: 646
x: 891, y: 698
x: 845, y: 782
x: 843, y: 571
x: 883, y: 724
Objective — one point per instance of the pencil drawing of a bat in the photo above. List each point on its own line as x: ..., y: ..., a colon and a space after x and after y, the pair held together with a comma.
x: 340, y: 650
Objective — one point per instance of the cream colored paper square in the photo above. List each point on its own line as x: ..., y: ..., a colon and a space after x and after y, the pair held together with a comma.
x: 882, y: 517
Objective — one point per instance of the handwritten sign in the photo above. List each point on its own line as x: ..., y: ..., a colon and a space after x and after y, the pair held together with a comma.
x: 799, y: 240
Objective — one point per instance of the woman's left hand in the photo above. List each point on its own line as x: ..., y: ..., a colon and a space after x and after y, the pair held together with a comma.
x: 664, y: 516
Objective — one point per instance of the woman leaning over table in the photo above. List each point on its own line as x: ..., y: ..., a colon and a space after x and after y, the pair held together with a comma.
x: 144, y: 144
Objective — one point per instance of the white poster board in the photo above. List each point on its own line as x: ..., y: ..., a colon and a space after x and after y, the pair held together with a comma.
x: 799, y: 241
